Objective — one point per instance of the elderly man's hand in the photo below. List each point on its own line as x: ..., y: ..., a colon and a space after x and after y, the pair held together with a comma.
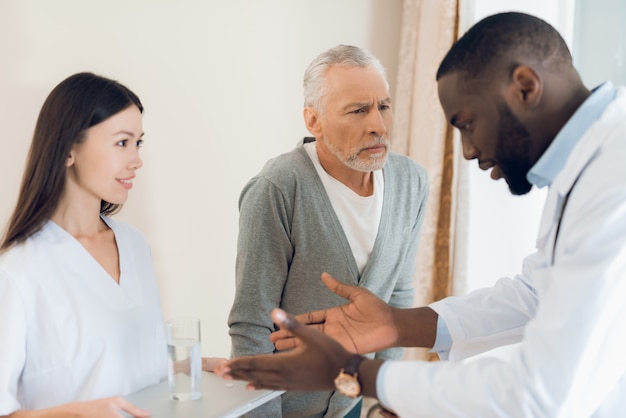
x: 209, y: 364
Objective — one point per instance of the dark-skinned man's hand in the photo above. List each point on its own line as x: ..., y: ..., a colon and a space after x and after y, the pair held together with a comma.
x: 313, y: 365
x: 364, y: 325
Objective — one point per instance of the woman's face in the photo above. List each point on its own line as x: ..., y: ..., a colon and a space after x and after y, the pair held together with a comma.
x: 103, y: 165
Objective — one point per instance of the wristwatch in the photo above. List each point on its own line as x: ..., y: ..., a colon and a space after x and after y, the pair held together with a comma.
x: 347, y: 382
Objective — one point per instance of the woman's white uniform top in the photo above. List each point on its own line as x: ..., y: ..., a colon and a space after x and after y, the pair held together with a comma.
x: 68, y: 331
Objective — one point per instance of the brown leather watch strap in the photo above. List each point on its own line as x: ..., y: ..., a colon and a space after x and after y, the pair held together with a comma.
x: 352, y: 366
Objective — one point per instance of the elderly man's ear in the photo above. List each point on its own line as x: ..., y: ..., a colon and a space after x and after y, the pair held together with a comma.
x: 312, y: 121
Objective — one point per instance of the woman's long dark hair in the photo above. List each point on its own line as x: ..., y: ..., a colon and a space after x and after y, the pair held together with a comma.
x: 76, y: 104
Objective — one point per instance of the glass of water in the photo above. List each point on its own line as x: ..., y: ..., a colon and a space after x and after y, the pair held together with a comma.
x: 184, y: 355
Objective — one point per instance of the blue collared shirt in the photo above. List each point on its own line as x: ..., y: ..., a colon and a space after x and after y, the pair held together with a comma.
x: 554, y: 158
x: 550, y: 164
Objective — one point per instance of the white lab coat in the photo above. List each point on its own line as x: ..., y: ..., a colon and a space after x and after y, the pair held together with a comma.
x: 68, y: 331
x: 569, y: 315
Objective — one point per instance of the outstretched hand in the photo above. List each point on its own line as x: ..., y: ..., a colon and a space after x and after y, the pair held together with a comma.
x: 364, y: 325
x: 313, y: 365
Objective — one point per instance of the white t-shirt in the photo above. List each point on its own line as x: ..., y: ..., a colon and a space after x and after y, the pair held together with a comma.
x: 359, y: 215
x: 68, y: 331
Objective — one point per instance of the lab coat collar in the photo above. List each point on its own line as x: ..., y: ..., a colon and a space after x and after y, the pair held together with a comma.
x: 582, y: 153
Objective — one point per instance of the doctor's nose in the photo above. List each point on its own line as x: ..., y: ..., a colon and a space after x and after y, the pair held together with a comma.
x: 470, y: 152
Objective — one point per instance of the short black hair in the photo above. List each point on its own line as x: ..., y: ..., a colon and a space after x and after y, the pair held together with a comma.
x: 504, y: 40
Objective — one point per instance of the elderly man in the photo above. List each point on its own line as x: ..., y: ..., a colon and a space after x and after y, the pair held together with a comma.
x: 339, y: 202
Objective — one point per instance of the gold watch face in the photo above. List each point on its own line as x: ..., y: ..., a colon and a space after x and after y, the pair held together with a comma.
x: 348, y: 385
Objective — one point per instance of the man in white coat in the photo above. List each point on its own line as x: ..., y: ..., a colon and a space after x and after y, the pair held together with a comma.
x: 510, y: 87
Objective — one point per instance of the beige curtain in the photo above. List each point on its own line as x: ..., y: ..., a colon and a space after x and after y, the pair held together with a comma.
x: 429, y: 27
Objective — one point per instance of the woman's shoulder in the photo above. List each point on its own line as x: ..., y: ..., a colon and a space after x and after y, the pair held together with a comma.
x: 24, y: 257
x: 23, y: 251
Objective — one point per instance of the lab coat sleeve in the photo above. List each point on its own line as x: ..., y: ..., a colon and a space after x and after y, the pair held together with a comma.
x: 12, y: 343
x: 571, y: 360
x: 489, y: 318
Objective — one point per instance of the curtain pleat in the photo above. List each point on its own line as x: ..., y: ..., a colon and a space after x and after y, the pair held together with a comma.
x: 420, y: 131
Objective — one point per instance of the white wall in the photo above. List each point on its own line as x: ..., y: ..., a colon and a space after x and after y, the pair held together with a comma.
x: 600, y: 41
x: 221, y: 83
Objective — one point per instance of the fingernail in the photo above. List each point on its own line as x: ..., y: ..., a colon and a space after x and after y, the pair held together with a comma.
x: 281, y: 315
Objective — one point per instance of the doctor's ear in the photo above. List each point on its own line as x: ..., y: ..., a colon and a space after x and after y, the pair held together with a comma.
x: 526, y: 87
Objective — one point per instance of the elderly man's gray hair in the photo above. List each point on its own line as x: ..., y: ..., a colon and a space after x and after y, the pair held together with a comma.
x: 315, y: 88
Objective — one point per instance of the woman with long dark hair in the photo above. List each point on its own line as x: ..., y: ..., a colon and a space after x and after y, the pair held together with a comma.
x: 80, y: 317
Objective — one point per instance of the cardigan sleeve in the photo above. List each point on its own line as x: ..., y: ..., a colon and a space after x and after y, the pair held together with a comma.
x: 264, y: 253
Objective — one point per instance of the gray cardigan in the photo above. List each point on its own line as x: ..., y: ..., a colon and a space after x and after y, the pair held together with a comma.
x: 289, y: 234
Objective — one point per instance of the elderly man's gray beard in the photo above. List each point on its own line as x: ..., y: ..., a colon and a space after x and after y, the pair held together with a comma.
x: 358, y: 162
